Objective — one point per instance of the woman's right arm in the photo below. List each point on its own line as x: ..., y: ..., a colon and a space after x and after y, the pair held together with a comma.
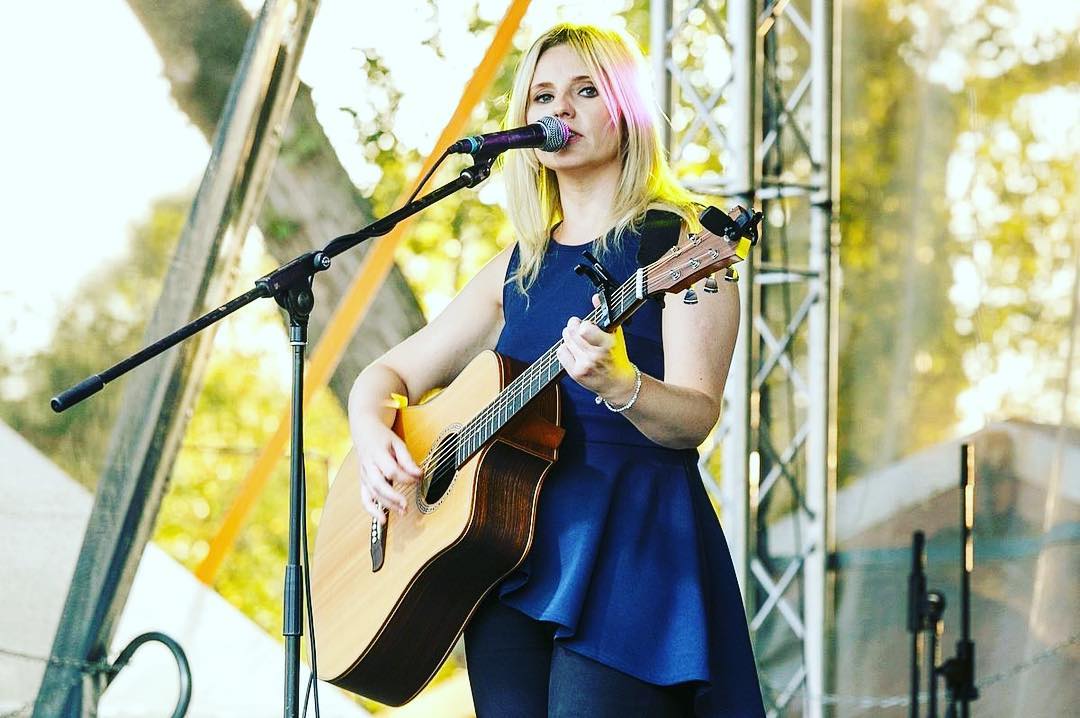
x: 429, y: 359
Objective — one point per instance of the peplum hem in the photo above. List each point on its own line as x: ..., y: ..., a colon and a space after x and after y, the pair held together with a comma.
x: 628, y: 577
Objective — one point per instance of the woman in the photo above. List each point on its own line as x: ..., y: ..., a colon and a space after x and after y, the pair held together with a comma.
x: 627, y: 603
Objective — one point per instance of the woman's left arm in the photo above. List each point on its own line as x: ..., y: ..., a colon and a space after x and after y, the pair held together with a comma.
x: 699, y: 339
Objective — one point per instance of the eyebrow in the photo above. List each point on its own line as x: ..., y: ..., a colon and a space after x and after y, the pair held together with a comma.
x: 548, y: 84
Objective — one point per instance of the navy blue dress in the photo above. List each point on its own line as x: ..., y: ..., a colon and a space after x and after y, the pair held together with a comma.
x: 629, y: 561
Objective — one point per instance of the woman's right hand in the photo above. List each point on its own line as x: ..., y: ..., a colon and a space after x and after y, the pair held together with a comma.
x: 384, y: 462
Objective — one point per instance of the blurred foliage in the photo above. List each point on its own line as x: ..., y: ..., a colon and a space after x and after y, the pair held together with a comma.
x: 448, y: 242
x: 101, y: 324
x: 896, y: 132
x: 239, y: 408
x: 955, y: 222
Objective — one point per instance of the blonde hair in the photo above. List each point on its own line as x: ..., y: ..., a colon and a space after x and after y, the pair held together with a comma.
x: 617, y: 67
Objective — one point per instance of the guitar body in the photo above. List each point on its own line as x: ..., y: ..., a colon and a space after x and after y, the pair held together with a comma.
x: 384, y: 633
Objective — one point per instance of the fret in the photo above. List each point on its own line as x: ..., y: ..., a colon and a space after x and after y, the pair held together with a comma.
x: 537, y: 377
x: 552, y: 370
x: 622, y: 302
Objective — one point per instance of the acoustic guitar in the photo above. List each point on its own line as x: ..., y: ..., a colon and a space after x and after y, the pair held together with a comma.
x: 389, y: 603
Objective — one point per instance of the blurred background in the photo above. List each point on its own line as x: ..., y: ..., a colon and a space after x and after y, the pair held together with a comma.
x: 957, y: 147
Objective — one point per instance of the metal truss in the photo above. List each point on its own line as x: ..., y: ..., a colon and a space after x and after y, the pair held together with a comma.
x: 749, y: 89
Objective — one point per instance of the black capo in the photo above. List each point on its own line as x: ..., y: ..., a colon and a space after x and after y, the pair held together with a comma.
x: 604, y: 284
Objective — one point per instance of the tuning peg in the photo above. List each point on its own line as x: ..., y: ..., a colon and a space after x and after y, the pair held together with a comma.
x: 710, y: 285
x: 732, y: 274
x: 690, y: 297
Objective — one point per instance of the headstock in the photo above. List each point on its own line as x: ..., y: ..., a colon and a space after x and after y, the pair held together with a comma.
x: 724, y: 240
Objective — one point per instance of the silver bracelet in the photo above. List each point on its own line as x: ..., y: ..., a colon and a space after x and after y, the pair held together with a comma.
x: 633, y: 397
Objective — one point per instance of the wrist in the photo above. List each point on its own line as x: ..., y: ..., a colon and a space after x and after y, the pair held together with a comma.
x: 622, y: 399
x: 623, y: 387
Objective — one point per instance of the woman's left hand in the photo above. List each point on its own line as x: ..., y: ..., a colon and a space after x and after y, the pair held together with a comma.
x: 597, y: 360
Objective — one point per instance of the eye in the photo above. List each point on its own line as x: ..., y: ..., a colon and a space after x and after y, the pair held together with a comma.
x: 543, y: 97
x: 589, y: 91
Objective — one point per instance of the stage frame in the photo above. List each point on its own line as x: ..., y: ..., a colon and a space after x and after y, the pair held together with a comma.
x: 771, y: 120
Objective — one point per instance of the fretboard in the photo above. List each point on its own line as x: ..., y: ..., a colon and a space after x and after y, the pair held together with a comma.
x: 522, y: 389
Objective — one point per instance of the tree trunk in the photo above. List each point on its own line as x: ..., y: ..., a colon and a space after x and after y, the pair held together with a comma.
x: 310, y: 198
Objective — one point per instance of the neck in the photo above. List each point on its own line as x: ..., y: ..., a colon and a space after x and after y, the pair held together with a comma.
x: 586, y: 200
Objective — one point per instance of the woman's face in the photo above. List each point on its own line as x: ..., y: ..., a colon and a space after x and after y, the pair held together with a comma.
x: 561, y: 87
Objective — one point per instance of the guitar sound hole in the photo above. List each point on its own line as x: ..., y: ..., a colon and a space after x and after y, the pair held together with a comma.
x: 441, y: 475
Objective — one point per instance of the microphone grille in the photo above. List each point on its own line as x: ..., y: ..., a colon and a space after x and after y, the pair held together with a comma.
x: 556, y: 134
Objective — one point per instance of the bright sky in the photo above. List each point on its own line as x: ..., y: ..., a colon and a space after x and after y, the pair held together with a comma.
x: 92, y: 139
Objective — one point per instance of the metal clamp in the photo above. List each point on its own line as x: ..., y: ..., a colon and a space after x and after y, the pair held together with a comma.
x: 181, y: 663
x: 599, y: 276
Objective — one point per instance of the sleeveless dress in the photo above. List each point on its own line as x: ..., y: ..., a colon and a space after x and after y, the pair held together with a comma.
x: 629, y: 561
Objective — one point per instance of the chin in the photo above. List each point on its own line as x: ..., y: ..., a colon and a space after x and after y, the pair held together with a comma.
x: 570, y: 163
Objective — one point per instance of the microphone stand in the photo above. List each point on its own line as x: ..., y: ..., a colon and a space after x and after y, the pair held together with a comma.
x: 291, y: 287
x: 916, y: 615
x: 959, y: 671
x: 926, y: 609
x: 935, y: 626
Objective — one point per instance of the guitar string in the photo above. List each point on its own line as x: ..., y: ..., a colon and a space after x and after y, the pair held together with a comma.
x: 520, y: 385
x: 512, y: 393
x: 515, y: 389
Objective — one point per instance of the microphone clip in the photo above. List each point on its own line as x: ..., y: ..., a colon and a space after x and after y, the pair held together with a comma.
x: 479, y: 170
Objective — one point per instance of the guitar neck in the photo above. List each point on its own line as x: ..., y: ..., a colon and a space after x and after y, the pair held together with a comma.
x: 724, y: 240
x: 624, y: 301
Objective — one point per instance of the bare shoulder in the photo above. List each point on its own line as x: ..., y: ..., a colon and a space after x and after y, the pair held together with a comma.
x: 492, y: 276
x: 469, y: 324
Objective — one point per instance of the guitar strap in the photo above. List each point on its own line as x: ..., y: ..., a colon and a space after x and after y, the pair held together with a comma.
x: 659, y: 233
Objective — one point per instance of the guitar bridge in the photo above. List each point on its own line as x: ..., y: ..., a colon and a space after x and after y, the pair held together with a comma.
x: 378, y: 543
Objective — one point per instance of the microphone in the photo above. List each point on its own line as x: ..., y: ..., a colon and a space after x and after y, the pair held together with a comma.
x: 548, y: 133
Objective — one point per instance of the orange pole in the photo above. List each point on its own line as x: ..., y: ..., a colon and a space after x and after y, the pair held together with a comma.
x: 350, y: 312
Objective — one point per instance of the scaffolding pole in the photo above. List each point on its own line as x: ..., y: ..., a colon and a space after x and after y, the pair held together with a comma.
x: 750, y: 90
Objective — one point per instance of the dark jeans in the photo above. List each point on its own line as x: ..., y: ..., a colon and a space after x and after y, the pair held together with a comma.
x: 516, y: 669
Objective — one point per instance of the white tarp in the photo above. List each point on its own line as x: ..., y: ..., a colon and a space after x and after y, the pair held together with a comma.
x: 237, y: 669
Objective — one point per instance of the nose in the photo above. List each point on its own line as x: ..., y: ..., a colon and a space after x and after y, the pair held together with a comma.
x: 562, y: 106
